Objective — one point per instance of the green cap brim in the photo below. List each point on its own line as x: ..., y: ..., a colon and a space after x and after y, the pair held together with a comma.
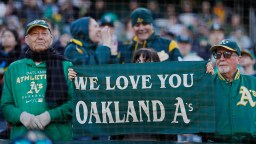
x: 221, y: 46
x: 35, y: 26
x: 247, y: 53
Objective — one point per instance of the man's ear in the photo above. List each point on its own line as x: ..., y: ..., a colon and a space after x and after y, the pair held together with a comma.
x: 51, y: 40
x: 26, y: 40
x: 239, y: 59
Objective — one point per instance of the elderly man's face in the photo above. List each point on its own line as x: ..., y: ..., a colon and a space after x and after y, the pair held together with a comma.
x: 39, y: 39
x: 227, y: 65
x: 143, y: 31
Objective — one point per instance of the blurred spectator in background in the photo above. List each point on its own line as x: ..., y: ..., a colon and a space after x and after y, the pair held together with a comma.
x: 153, y: 6
x: 236, y: 23
x: 216, y: 34
x: 61, y: 43
x: 84, y: 7
x: 205, y: 15
x: 127, y: 32
x: 247, y: 62
x: 202, y: 43
x: 50, y: 9
x: 110, y: 20
x: 170, y: 10
x: 127, y: 8
x: 241, y: 38
x: 68, y: 13
x: 33, y: 137
x: 185, y: 47
x: 9, y: 52
x: 142, y: 23
x: 31, y: 9
x: 187, y: 16
x: 10, y: 49
x: 219, y: 11
x: 174, y: 26
x: 98, y: 9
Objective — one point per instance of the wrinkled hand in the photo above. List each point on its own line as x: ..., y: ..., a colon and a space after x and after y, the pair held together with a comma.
x: 30, y: 121
x: 71, y: 74
x: 209, y: 68
x: 44, y: 118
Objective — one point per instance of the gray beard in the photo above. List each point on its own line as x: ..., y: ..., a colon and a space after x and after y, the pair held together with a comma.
x: 224, y: 70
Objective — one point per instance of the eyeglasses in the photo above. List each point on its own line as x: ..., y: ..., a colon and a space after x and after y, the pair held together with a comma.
x: 36, y: 34
x: 227, y: 54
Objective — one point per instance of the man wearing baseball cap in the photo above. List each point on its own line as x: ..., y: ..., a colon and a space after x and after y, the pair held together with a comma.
x: 142, y: 23
x: 37, y: 93
x: 247, y: 62
x: 235, y: 97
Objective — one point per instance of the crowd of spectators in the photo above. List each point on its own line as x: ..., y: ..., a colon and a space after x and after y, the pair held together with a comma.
x: 195, y: 26
x: 186, y: 17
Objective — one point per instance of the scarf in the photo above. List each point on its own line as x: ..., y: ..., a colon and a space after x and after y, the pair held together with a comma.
x: 56, y: 91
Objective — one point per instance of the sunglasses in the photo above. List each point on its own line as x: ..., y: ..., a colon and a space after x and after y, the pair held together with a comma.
x: 217, y: 55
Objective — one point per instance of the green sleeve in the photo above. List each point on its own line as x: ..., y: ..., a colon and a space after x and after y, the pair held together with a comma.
x: 10, y: 111
x: 64, y: 112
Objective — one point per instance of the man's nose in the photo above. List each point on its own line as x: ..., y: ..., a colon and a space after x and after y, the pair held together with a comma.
x: 222, y: 57
x: 40, y: 35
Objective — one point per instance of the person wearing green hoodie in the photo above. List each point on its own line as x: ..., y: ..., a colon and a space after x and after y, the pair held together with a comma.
x: 37, y: 94
x: 142, y: 23
x: 84, y: 48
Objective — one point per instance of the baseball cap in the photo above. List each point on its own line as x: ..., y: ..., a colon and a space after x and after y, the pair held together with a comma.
x: 141, y: 15
x: 183, y: 39
x: 216, y: 27
x: 246, y: 52
x: 40, y: 23
x: 229, y: 45
x: 108, y: 19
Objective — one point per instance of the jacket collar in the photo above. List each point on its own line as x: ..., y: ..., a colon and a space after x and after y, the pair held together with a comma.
x: 33, y: 64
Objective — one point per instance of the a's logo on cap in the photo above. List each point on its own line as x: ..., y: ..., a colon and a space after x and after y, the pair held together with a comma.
x: 139, y: 20
x: 224, y: 42
x: 37, y: 21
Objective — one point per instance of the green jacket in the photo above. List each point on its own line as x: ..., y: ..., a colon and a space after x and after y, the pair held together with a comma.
x: 81, y: 50
x: 235, y: 107
x: 24, y: 90
x: 167, y: 49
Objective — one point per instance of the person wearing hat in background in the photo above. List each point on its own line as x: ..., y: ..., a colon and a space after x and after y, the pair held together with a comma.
x: 247, y: 63
x: 185, y: 47
x: 109, y: 20
x: 84, y: 48
x: 142, y: 23
x: 37, y: 93
x: 234, y: 99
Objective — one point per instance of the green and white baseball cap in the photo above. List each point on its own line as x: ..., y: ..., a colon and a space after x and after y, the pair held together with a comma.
x: 38, y: 22
x: 229, y: 45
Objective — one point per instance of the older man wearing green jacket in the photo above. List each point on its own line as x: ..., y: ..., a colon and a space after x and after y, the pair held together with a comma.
x: 235, y: 97
x: 37, y: 94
